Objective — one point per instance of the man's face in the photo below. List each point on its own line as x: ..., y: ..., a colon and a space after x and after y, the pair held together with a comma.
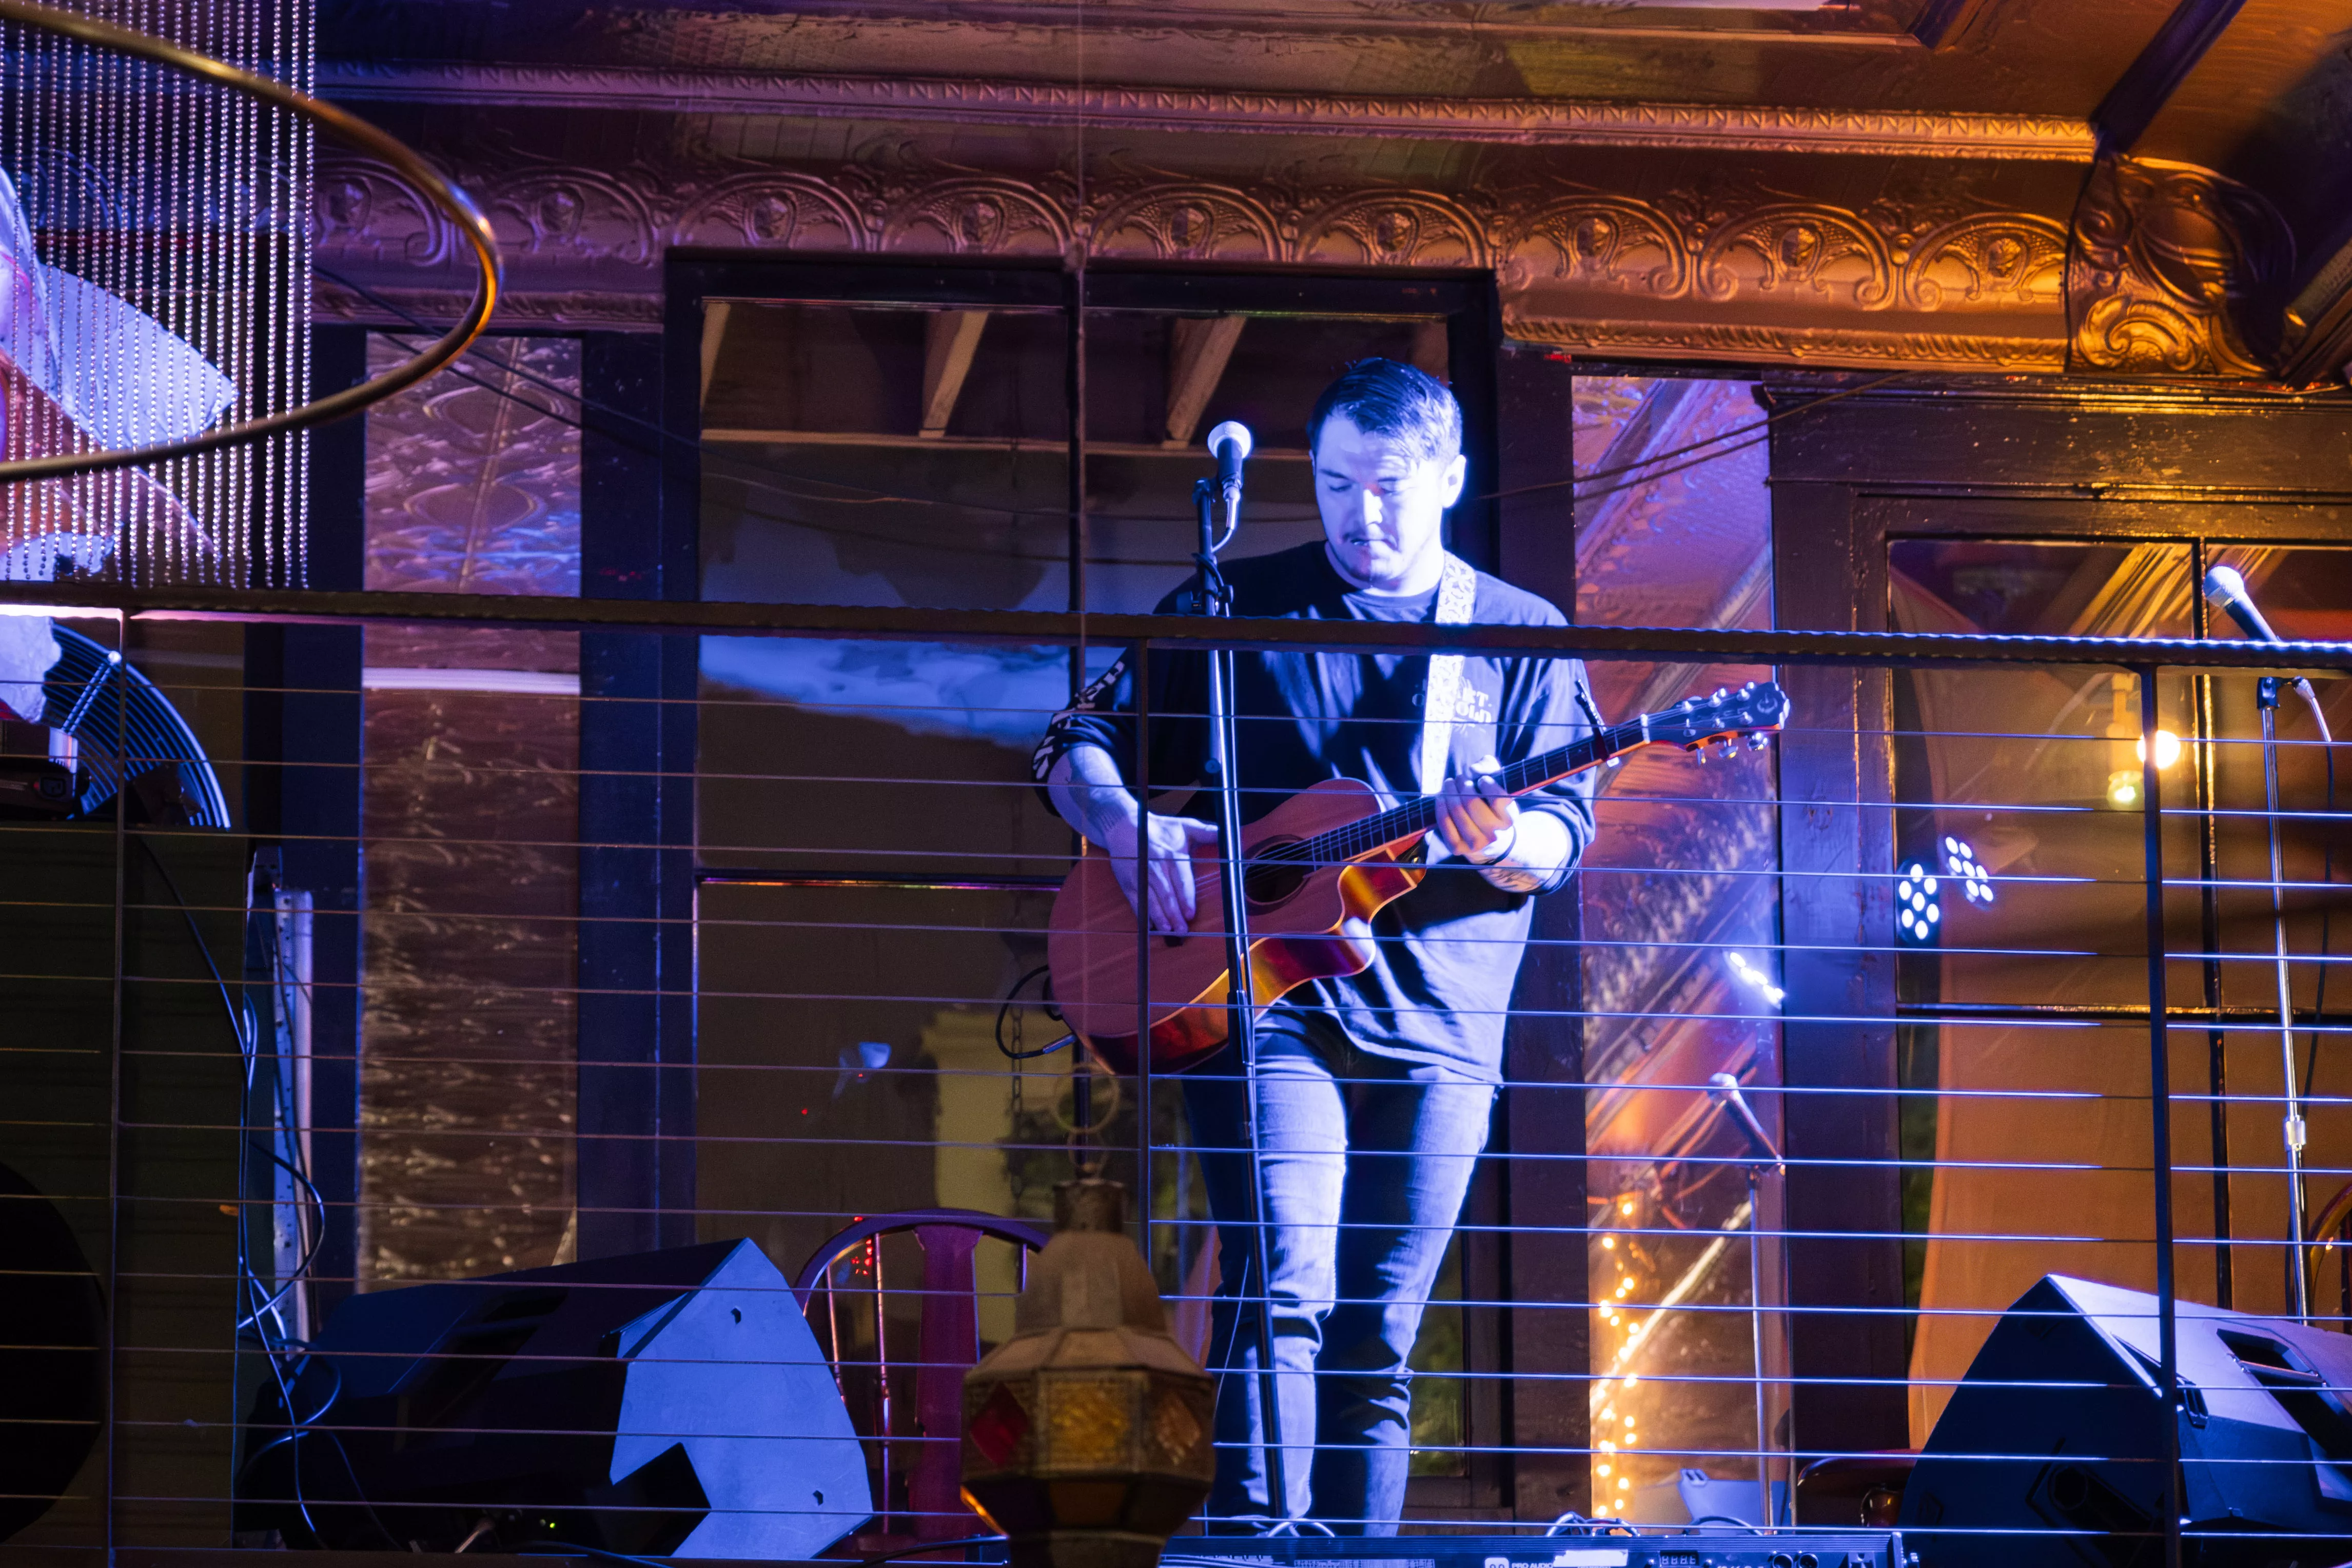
x: 1383, y: 504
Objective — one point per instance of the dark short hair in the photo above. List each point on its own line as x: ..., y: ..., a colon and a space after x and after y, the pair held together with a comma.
x: 1387, y: 397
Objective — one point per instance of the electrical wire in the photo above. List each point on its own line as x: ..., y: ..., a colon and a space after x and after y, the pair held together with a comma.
x: 242, y: 1028
x: 658, y: 430
x: 931, y: 1546
x: 2328, y: 906
x: 561, y: 1548
x: 1753, y: 431
x: 1011, y: 1000
x: 1755, y: 428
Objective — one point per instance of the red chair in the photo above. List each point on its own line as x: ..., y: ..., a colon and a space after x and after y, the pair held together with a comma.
x: 948, y: 1345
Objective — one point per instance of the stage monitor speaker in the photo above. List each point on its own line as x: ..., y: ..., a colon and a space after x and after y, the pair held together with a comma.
x: 52, y: 1354
x: 2050, y: 1453
x: 670, y: 1403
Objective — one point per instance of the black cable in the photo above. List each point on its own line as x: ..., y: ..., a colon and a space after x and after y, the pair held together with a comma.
x: 749, y: 478
x: 1726, y: 1519
x: 1751, y: 430
x: 1013, y: 1000
x: 300, y: 1425
x: 2326, y: 912
x: 310, y: 1256
x: 564, y: 1546
x: 237, y: 1022
x: 1573, y: 1523
x: 659, y: 430
x: 1764, y: 424
x: 931, y: 1546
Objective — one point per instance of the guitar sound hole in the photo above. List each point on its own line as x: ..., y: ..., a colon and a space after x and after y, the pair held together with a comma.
x: 1268, y: 882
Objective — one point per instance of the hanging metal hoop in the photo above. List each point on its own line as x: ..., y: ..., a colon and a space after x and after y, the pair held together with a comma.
x: 453, y: 203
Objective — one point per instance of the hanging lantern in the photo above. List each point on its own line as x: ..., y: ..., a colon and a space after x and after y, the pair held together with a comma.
x: 1087, y: 1434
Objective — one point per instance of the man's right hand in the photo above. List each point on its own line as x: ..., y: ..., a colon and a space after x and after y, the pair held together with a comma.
x: 1174, y: 892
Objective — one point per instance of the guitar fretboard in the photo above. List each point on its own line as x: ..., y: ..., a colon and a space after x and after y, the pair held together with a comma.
x: 1419, y: 815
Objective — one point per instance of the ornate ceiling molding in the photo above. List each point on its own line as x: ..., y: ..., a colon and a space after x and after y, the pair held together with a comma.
x: 2169, y: 262
x: 979, y: 102
x: 1762, y: 279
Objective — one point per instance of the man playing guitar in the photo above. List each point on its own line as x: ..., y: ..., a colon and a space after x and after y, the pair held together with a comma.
x: 1375, y: 1089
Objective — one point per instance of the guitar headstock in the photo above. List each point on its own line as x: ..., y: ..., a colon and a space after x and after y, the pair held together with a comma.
x: 1757, y: 710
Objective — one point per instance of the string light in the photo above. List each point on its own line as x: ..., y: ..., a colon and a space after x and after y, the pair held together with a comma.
x: 1755, y: 978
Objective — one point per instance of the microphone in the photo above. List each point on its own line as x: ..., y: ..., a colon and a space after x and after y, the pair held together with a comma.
x: 1724, y: 1089
x: 1230, y: 444
x: 2227, y: 589
x: 2227, y: 592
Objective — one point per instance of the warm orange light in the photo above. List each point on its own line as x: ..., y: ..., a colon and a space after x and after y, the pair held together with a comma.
x: 2167, y: 747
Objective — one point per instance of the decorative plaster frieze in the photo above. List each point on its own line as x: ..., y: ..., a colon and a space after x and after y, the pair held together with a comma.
x: 1823, y: 346
x: 1507, y: 121
x: 1760, y: 279
x: 2169, y: 258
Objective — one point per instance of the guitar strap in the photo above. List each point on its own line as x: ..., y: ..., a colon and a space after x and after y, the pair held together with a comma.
x: 1457, y: 601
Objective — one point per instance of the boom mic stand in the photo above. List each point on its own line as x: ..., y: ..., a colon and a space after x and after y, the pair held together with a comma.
x: 2227, y: 589
x: 1224, y: 750
x: 2266, y: 698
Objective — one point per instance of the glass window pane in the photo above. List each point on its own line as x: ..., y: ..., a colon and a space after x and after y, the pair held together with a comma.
x: 1681, y: 960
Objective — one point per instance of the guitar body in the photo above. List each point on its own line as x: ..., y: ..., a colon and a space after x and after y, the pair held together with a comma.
x: 1309, y: 915
x: 1307, y: 923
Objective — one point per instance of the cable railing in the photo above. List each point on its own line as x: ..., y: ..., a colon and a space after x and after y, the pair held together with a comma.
x: 397, y: 1129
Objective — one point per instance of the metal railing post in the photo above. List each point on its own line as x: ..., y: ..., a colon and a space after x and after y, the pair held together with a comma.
x: 2159, y: 1100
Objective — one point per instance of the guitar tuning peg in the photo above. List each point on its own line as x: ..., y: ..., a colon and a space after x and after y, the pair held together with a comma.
x: 1730, y: 748
x: 1720, y: 694
x: 1758, y: 741
x: 1699, y: 752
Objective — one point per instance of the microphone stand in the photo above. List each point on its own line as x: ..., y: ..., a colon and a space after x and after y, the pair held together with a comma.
x: 1224, y: 750
x: 2266, y: 697
x: 2225, y: 588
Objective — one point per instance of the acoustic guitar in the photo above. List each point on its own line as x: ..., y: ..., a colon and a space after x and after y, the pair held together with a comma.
x: 1318, y: 866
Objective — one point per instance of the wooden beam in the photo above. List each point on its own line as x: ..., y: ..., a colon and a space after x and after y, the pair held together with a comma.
x: 714, y: 333
x: 1198, y: 348
x: 2319, y: 325
x: 949, y: 339
x: 2148, y: 81
x: 724, y: 436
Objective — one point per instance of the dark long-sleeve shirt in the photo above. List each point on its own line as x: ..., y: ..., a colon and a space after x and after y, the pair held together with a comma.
x: 1448, y: 951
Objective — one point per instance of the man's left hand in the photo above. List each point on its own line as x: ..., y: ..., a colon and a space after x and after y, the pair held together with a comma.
x: 1476, y: 818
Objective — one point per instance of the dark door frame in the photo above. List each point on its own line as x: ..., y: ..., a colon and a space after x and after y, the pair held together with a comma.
x: 1493, y: 1336
x: 1945, y: 456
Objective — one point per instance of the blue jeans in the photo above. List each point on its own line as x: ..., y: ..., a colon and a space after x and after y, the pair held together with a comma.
x: 1366, y: 1161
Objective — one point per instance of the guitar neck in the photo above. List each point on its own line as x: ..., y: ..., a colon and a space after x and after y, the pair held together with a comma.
x: 1419, y: 815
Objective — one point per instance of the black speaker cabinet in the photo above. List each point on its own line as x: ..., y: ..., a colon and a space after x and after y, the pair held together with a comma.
x: 671, y: 1403
x: 52, y: 1356
x: 2051, y: 1451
